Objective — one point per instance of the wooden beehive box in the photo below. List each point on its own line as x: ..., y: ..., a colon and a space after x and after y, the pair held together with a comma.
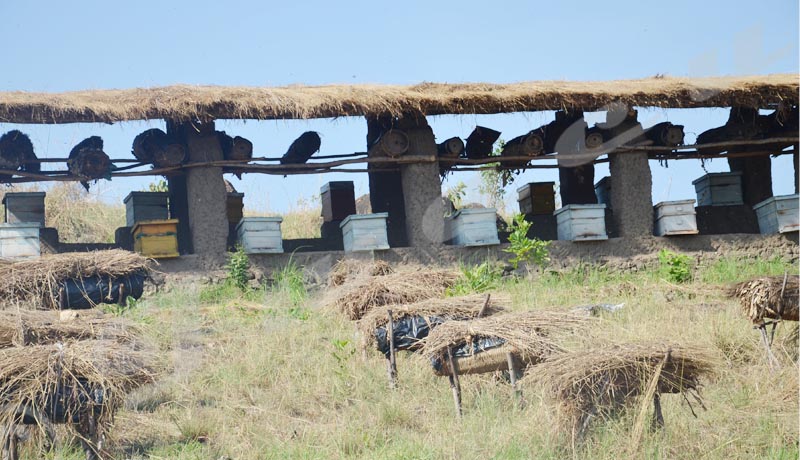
x: 234, y: 203
x: 24, y: 207
x: 602, y: 189
x: 364, y: 232
x: 19, y: 240
x: 537, y: 198
x: 145, y: 206
x: 472, y: 227
x: 581, y: 222
x: 778, y: 214
x: 719, y: 189
x: 676, y: 218
x: 260, y: 235
x: 156, y: 238
x: 338, y: 200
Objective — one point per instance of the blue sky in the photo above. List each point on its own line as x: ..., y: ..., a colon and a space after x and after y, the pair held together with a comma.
x: 62, y: 46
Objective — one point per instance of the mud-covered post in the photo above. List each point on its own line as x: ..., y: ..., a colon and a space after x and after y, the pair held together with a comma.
x: 631, y: 179
x: 422, y: 189
x: 205, y: 211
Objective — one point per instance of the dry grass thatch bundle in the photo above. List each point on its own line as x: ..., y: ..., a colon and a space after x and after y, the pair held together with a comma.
x: 350, y: 269
x: 602, y: 381
x: 188, y: 103
x: 38, y: 280
x: 449, y: 308
x: 71, y: 383
x: 32, y: 327
x: 530, y: 336
x: 357, y: 298
x: 769, y: 297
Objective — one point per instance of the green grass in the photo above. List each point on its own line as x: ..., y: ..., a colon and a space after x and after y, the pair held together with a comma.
x: 266, y: 373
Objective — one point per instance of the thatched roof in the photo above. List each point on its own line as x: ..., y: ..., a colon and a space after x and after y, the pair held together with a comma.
x: 185, y: 103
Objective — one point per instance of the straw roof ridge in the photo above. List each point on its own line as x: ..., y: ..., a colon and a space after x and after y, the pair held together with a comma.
x: 188, y: 103
x: 530, y: 334
x: 773, y: 297
x: 448, y: 308
x: 37, y: 280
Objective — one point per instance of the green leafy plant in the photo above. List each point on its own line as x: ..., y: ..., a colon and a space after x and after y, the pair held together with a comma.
x: 238, y: 269
x: 528, y: 250
x: 677, y: 267
x: 477, y: 278
x: 456, y: 194
x: 158, y: 186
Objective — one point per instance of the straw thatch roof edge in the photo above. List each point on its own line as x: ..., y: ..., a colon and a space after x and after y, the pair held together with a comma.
x: 188, y: 103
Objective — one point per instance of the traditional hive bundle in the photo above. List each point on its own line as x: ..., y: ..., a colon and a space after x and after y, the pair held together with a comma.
x: 357, y: 298
x: 602, y: 381
x: 773, y: 297
x: 430, y: 312
x: 482, y: 345
x: 32, y: 327
x: 38, y: 281
x: 350, y: 269
x: 62, y: 382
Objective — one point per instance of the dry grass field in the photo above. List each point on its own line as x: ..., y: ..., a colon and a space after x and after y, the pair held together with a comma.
x: 269, y: 373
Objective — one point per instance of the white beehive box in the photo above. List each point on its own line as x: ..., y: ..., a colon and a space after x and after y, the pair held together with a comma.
x: 676, y: 218
x: 19, y: 241
x: 581, y: 222
x: 364, y: 232
x: 472, y: 227
x: 260, y: 235
x: 778, y: 214
x: 719, y: 189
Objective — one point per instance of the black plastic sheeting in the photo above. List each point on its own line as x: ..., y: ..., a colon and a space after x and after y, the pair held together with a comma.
x: 84, y: 396
x: 407, y: 332
x: 85, y: 293
x: 469, y: 349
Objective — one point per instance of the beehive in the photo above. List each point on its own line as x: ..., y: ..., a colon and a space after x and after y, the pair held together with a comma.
x: 234, y: 204
x: 582, y: 222
x: 156, y: 238
x: 260, y: 235
x: 537, y: 198
x: 472, y: 227
x: 19, y: 240
x: 364, y: 232
x: 675, y: 218
x: 778, y: 214
x: 24, y: 207
x: 338, y: 200
x: 602, y: 189
x: 145, y: 206
x: 719, y: 189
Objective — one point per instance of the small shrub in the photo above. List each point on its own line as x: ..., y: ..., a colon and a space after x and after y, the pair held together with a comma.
x: 478, y: 278
x: 526, y: 249
x: 290, y: 283
x: 238, y: 269
x: 677, y: 267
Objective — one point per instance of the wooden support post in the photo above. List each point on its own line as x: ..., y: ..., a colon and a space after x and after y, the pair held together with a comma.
x: 512, y: 372
x: 455, y: 384
x: 10, y: 451
x: 392, y: 360
x: 771, y: 359
x: 658, y: 417
x: 485, y: 306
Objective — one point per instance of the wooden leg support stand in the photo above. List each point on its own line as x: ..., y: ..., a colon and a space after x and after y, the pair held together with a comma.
x: 771, y: 359
x: 455, y: 385
x: 658, y: 417
x: 392, y: 360
x: 512, y: 372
